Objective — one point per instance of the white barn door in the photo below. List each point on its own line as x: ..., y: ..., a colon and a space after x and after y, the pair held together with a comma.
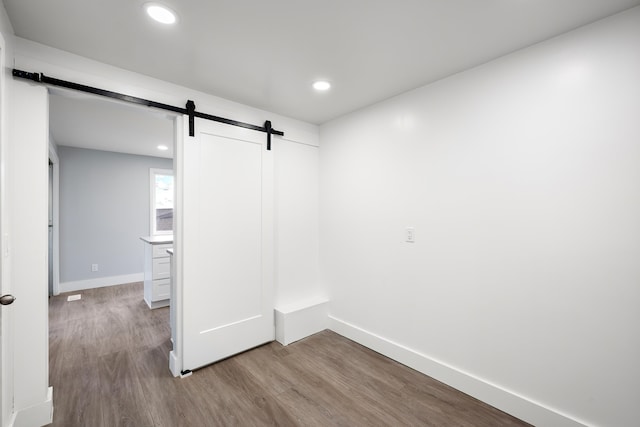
x: 227, y: 243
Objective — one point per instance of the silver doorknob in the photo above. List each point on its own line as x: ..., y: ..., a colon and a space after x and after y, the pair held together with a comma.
x: 7, y: 299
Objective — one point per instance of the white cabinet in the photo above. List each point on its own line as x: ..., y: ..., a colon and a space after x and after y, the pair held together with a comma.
x: 157, y: 270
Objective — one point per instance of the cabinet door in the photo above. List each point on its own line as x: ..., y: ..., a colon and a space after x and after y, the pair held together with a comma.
x: 160, y: 251
x: 160, y: 289
x: 161, y: 268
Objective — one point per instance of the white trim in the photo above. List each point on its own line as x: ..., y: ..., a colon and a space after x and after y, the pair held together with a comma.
x: 492, y: 394
x: 152, y: 200
x: 101, y: 282
x: 37, y: 415
x: 310, y: 144
x: 6, y: 343
x: 297, y: 321
x: 175, y: 356
x: 4, y: 368
x: 53, y: 157
x: 174, y: 363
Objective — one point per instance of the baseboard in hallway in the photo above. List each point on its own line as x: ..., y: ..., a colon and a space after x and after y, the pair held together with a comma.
x: 100, y: 282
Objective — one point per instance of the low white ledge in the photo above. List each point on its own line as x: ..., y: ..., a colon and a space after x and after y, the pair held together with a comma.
x: 300, y: 320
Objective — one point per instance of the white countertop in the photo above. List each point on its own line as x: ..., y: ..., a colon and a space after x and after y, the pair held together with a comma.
x: 158, y: 240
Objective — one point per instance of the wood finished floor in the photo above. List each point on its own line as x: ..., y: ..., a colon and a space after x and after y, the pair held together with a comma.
x: 109, y: 368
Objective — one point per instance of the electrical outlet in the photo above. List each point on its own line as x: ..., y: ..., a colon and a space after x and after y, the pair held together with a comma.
x: 94, y: 267
x: 410, y: 234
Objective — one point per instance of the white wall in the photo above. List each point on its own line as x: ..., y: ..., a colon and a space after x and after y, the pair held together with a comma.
x: 5, y: 25
x: 296, y: 228
x: 296, y: 155
x: 27, y: 184
x: 6, y: 370
x: 297, y: 181
x: 522, y: 180
x: 31, y: 56
x: 99, y: 222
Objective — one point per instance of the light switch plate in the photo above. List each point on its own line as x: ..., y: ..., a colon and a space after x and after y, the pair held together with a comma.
x: 410, y: 234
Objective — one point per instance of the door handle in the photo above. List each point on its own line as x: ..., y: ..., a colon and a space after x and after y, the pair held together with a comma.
x: 7, y: 299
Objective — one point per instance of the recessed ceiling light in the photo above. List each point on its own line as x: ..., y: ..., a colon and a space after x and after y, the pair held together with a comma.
x: 160, y: 13
x: 321, y: 85
x: 163, y: 147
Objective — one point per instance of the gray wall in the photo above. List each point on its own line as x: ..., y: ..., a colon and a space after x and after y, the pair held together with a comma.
x: 104, y: 209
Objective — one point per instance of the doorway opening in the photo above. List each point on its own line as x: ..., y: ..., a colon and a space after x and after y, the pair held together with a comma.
x: 103, y: 151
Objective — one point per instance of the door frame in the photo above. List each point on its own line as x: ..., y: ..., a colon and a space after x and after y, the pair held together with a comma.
x: 26, y: 185
x: 6, y: 362
x: 175, y: 355
x: 54, y: 159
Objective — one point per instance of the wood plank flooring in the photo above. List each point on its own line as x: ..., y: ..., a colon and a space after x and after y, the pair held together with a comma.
x: 109, y: 368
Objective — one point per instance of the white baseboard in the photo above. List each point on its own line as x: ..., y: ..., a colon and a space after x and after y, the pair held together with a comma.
x: 492, y: 394
x: 37, y: 415
x: 100, y: 282
x: 174, y: 364
x: 297, y: 321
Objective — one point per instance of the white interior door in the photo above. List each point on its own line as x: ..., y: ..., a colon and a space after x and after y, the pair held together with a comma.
x: 227, y: 250
x: 26, y: 254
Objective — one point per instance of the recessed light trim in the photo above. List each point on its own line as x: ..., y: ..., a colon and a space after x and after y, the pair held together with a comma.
x: 163, y: 147
x: 321, y: 85
x: 161, y: 13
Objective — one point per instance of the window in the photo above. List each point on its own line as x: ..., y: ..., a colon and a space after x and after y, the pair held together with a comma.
x: 161, y: 201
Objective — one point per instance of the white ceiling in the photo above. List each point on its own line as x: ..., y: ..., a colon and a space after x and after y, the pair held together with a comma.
x: 99, y: 124
x: 267, y: 53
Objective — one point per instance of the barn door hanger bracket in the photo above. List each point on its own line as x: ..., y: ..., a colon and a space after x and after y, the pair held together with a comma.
x: 190, y: 108
x: 267, y: 126
x: 191, y: 112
